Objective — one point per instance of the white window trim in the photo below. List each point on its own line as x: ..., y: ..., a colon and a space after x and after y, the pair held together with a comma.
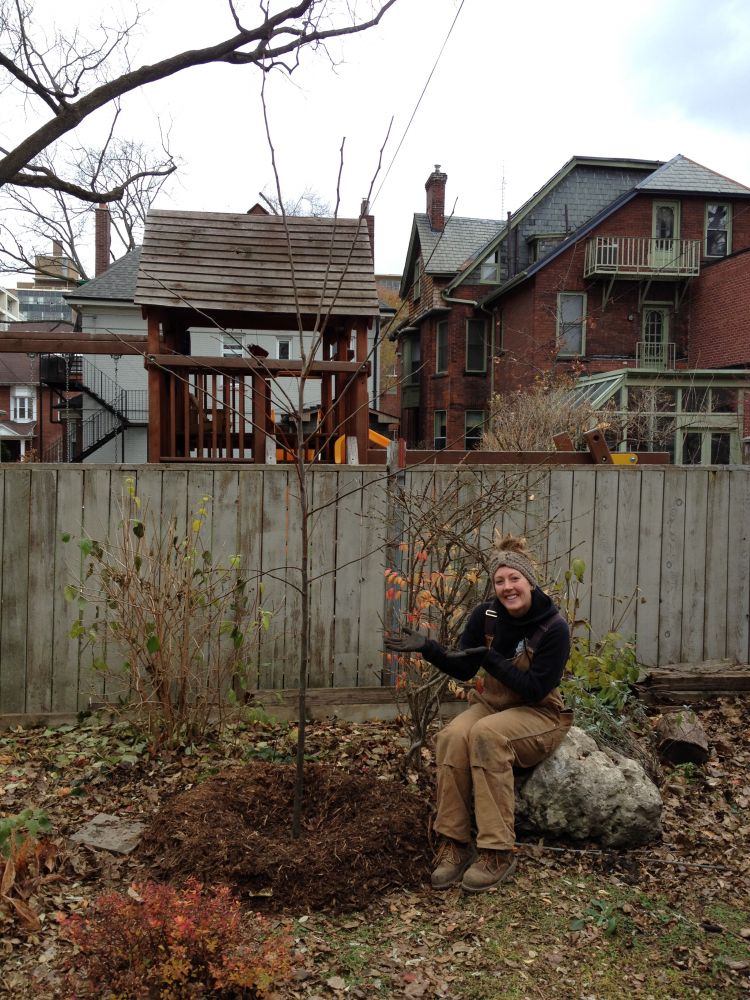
x: 279, y: 342
x: 558, y: 332
x: 677, y: 217
x: 728, y: 206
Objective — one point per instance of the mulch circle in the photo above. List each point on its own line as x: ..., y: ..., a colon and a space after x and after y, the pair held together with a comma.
x: 360, y: 837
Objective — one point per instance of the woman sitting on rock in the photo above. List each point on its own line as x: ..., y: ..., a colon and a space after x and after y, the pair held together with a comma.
x: 522, y: 642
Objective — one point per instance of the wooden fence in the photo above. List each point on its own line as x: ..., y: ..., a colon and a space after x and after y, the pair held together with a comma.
x: 678, y: 539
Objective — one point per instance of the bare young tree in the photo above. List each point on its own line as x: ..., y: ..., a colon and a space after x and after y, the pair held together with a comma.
x: 70, y: 77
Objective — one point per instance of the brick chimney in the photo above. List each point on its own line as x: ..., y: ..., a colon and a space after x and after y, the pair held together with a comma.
x: 364, y: 211
x: 435, y: 188
x: 102, y: 239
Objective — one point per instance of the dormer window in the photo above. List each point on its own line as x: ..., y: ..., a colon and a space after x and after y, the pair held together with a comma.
x: 718, y: 229
x: 489, y: 269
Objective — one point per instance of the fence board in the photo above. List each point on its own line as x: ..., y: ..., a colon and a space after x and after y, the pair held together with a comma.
x: 348, y: 581
x: 603, y: 551
x: 101, y: 489
x: 717, y: 558
x: 649, y: 566
x: 324, y: 490
x: 626, y: 553
x: 69, y: 521
x: 13, y: 636
x: 582, y: 531
x: 249, y: 546
x: 738, y: 570
x: 558, y: 514
x: 371, y: 568
x: 39, y: 650
x: 275, y: 521
x: 694, y: 567
x: 673, y: 548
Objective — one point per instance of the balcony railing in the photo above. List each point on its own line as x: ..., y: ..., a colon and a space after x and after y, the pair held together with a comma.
x: 659, y: 357
x: 639, y: 257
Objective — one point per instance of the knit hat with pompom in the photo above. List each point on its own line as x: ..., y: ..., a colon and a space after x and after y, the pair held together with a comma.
x: 512, y: 552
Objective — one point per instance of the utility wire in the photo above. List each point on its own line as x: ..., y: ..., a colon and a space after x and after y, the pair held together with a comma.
x: 416, y: 106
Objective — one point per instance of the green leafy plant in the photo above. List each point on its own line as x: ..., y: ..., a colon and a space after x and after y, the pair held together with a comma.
x: 157, y: 941
x: 28, y: 823
x: 598, y: 913
x: 167, y: 622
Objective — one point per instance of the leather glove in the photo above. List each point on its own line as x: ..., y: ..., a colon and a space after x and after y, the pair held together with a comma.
x: 408, y: 642
x: 466, y: 659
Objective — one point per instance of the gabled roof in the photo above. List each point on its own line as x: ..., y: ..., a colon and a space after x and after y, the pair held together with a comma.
x: 448, y: 251
x: 684, y: 176
x: 530, y: 204
x: 242, y: 263
x: 685, y: 171
x: 117, y: 284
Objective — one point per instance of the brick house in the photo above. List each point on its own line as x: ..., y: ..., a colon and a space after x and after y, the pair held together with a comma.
x: 623, y: 271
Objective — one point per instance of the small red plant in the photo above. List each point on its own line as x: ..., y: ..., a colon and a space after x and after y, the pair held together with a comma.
x: 158, y: 941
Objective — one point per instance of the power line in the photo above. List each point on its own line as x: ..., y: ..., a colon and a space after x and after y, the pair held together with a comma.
x: 416, y: 106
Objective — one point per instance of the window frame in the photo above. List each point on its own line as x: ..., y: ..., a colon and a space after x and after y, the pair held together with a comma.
x: 279, y: 342
x: 483, y: 369
x: 561, y: 327
x: 728, y: 230
x: 479, y: 426
x: 491, y: 261
x: 416, y: 293
x: 441, y: 347
x: 232, y: 346
x: 27, y: 394
x: 441, y: 415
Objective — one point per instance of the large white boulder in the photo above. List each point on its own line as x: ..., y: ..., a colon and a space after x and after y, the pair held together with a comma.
x: 585, y: 793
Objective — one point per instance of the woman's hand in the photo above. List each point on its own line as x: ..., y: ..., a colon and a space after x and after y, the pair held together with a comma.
x: 408, y: 642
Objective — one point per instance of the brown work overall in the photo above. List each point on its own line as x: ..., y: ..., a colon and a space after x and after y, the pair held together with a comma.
x: 479, y: 749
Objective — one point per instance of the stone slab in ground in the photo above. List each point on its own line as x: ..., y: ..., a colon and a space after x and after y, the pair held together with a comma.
x: 110, y: 833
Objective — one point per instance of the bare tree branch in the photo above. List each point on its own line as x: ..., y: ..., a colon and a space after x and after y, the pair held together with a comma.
x: 57, y: 75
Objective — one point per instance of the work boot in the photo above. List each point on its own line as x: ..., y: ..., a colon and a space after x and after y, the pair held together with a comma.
x: 451, y: 861
x: 490, y: 869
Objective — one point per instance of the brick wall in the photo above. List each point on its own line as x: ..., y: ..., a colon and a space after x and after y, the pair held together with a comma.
x: 720, y: 314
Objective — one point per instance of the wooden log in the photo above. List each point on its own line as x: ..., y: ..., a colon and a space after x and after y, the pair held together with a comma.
x: 682, y: 738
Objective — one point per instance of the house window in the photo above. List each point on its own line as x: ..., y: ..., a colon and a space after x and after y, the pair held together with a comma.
x: 718, y: 229
x: 410, y: 360
x: 489, y: 269
x: 417, y: 281
x: 441, y: 429
x: 476, y: 346
x: 571, y: 324
x: 441, y: 348
x: 473, y: 427
x: 231, y: 345
x: 23, y: 404
x: 284, y: 348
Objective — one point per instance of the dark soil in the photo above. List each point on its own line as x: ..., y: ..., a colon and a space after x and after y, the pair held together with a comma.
x: 361, y: 837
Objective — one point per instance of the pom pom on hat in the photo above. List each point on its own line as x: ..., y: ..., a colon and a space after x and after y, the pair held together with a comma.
x: 511, y: 552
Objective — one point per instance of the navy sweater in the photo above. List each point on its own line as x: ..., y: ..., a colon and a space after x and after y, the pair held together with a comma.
x: 547, y: 666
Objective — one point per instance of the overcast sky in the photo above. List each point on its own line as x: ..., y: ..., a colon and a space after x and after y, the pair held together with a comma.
x: 519, y: 89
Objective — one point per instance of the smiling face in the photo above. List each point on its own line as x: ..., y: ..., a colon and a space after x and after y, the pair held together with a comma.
x: 513, y: 591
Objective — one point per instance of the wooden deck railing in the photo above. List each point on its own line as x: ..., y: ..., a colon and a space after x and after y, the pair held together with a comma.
x: 633, y: 257
x: 219, y: 409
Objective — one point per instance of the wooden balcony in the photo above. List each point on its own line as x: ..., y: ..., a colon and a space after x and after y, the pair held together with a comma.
x: 636, y: 257
x: 219, y: 409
